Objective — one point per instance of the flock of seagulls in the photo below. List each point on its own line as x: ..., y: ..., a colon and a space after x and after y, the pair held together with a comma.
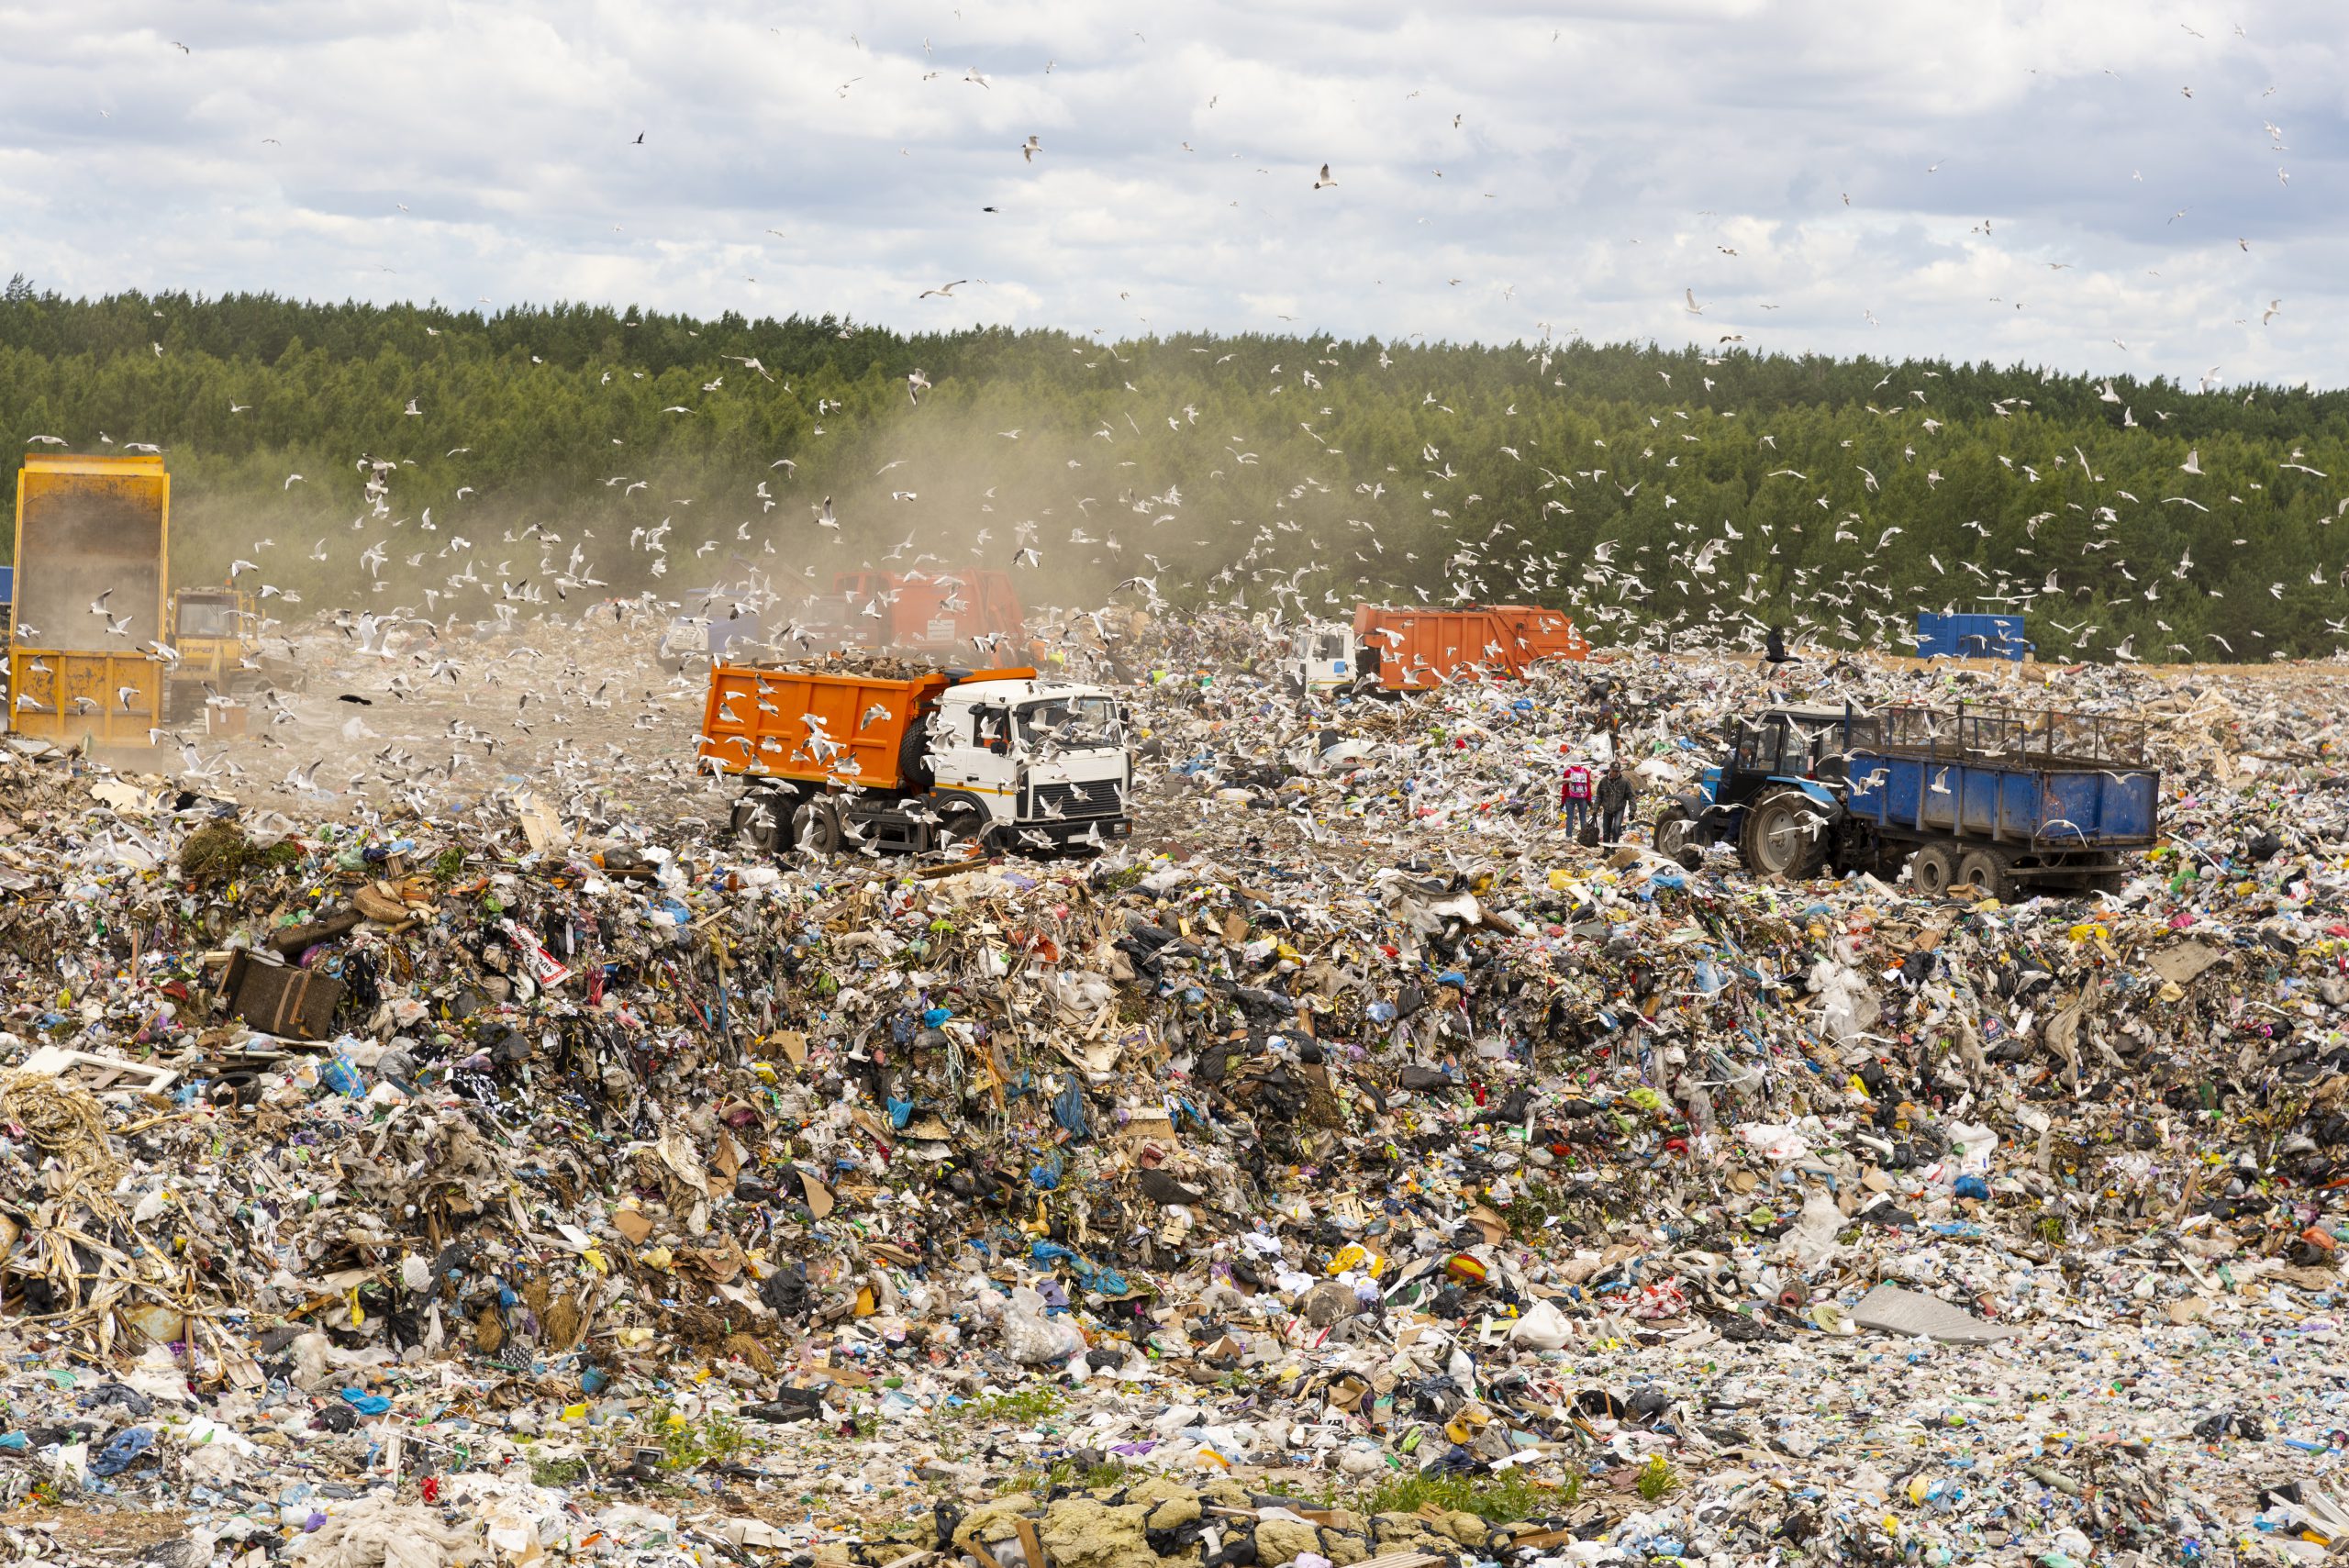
x: 413, y: 578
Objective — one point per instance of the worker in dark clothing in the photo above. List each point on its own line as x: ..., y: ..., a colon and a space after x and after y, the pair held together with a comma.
x: 1615, y: 793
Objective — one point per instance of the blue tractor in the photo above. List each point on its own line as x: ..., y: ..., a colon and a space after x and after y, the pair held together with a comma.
x: 2010, y: 804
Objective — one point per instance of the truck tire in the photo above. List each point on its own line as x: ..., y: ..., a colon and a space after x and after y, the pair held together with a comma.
x: 913, y: 774
x: 1674, y: 838
x: 1931, y: 870
x: 1785, y: 838
x: 816, y: 827
x: 1985, y: 869
x: 961, y: 823
x: 762, y: 821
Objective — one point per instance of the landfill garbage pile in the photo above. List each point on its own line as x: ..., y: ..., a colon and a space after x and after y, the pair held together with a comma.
x: 1351, y: 1168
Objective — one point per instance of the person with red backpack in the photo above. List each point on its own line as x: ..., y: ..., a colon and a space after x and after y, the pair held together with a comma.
x: 1574, y: 795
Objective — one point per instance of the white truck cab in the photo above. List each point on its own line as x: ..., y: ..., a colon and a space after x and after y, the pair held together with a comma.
x: 1320, y: 657
x: 1047, y: 762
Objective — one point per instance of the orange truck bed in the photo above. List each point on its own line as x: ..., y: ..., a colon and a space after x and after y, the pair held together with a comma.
x: 932, y: 615
x: 1415, y: 650
x: 826, y: 726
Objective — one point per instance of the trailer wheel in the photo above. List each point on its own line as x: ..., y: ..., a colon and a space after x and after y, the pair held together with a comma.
x: 1675, y: 831
x: 1931, y: 870
x: 1985, y: 869
x: 816, y: 827
x: 1784, y: 837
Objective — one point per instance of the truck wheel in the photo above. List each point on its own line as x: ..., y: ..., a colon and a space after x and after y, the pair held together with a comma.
x: 961, y: 824
x: 762, y: 821
x: 1784, y: 837
x: 914, y: 772
x: 816, y: 827
x: 1675, y: 831
x: 1931, y: 870
x: 1985, y: 869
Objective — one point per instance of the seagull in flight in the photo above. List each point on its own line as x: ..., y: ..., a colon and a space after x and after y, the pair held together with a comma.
x: 944, y: 291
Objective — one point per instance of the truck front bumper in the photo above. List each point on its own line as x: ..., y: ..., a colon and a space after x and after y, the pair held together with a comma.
x: 1066, y: 830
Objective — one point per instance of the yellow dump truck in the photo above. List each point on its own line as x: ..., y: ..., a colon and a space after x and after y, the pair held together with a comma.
x: 92, y: 559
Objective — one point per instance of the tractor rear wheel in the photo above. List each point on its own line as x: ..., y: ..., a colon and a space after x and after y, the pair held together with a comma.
x: 1784, y: 837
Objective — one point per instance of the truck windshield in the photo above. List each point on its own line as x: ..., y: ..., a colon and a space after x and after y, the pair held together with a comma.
x: 208, y: 617
x: 1073, y: 723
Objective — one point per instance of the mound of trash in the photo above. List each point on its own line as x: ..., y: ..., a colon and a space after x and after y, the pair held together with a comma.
x: 1351, y: 1168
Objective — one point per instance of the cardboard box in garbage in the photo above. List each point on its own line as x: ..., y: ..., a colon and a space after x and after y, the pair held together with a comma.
x: 281, y: 998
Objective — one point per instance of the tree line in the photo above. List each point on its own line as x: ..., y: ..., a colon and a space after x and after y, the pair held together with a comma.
x: 1666, y: 491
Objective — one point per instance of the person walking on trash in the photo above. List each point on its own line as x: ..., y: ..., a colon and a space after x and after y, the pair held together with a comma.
x: 1574, y: 795
x: 1614, y: 803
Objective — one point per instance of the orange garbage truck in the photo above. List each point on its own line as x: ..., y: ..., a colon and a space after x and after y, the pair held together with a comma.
x: 953, y: 614
x: 836, y: 758
x: 1394, y: 650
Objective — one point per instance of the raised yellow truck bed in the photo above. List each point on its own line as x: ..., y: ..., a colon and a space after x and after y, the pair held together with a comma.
x: 92, y: 559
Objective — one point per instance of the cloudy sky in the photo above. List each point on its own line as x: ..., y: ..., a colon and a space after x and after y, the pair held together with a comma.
x: 2152, y: 186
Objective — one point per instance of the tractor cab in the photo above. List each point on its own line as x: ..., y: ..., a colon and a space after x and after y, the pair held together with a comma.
x: 1790, y: 763
x: 1791, y: 744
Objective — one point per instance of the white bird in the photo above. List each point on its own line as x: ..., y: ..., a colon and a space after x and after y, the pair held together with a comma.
x: 2193, y: 463
x: 824, y: 517
x: 1029, y: 148
x: 1692, y: 307
x: 289, y: 481
x: 1323, y: 179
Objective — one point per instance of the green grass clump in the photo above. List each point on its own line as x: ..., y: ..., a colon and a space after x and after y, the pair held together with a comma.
x: 1039, y: 1403
x: 1105, y: 1477
x: 1656, y: 1478
x: 1529, y: 1213
x: 1502, y: 1499
x: 557, y: 1471
x: 690, y: 1444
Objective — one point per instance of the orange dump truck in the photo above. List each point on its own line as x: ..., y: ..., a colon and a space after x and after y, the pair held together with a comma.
x: 946, y: 615
x: 1409, y: 650
x: 831, y: 756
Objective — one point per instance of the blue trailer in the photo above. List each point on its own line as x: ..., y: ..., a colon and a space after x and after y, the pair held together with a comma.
x: 2011, y: 803
x: 1942, y: 636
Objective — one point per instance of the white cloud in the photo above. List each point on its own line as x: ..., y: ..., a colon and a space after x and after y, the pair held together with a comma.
x: 1608, y: 155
